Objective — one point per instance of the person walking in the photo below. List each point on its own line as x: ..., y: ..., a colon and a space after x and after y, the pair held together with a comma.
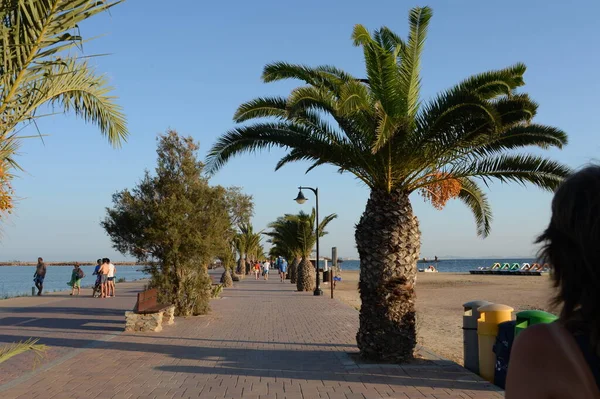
x: 282, y: 268
x: 565, y: 355
x: 39, y: 275
x: 110, y: 279
x: 256, y: 270
x: 76, y: 276
x: 266, y: 266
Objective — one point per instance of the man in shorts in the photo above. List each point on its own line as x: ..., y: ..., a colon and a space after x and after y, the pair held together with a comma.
x: 111, y: 279
x: 39, y: 275
x: 266, y: 266
x: 103, y: 272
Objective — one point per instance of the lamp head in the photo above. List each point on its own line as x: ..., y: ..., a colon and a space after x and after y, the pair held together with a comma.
x: 301, y: 199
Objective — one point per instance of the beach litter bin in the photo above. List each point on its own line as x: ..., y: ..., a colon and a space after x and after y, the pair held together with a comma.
x: 470, y: 341
x: 502, y: 348
x: 487, y: 330
x: 528, y: 318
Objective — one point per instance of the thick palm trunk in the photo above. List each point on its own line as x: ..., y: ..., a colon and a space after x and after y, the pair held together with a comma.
x: 293, y: 270
x: 305, y: 275
x: 240, y: 266
x: 226, y: 279
x: 388, y: 242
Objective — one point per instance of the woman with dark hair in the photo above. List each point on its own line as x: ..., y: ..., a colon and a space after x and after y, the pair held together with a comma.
x: 562, y: 359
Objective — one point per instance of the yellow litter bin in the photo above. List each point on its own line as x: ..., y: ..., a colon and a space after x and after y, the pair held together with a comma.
x: 487, y: 330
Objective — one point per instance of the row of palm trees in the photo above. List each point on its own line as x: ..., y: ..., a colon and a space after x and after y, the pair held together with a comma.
x: 379, y: 128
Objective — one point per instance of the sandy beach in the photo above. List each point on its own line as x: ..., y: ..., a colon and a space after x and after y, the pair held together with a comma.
x: 440, y: 297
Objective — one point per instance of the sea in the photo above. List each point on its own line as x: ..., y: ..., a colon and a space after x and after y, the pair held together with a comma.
x: 18, y: 280
x: 451, y: 265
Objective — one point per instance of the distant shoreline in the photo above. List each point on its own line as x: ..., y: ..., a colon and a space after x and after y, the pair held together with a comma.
x: 70, y: 263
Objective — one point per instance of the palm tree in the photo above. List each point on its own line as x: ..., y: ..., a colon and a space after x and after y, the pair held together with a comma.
x: 250, y: 242
x: 379, y: 129
x: 307, y: 238
x: 284, y: 238
x: 39, y: 66
x: 239, y: 244
x: 294, y: 235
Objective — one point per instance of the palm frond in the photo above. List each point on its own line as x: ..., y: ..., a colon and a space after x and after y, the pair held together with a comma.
x: 263, y: 107
x: 474, y: 197
x: 411, y: 59
x: 12, y: 350
x: 523, y: 136
x: 519, y: 168
x: 491, y: 84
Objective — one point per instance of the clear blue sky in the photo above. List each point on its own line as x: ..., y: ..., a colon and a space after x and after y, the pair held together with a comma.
x: 188, y: 64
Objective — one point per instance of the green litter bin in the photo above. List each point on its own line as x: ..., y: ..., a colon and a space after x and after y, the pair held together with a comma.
x: 528, y: 318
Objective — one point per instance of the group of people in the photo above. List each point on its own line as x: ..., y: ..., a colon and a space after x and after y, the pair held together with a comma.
x: 280, y: 264
x: 105, y: 278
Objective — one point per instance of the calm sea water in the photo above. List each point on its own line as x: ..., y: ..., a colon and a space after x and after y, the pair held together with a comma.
x: 18, y: 280
x: 451, y: 265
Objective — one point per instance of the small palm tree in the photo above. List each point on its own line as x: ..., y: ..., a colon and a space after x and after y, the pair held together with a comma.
x: 38, y: 67
x: 250, y: 242
x: 379, y: 129
x: 284, y: 238
x: 296, y: 236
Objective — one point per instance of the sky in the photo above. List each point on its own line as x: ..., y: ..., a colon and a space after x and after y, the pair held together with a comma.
x: 187, y: 65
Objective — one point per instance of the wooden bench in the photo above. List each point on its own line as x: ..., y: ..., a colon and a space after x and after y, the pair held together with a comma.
x: 147, y: 302
x: 148, y: 314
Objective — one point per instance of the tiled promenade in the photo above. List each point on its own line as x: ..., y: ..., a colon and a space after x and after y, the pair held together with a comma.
x: 262, y: 340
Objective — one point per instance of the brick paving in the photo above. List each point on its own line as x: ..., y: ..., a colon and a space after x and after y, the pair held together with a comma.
x: 262, y: 340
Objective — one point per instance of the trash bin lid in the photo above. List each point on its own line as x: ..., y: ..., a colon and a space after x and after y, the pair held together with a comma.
x: 495, y: 307
x: 536, y: 316
x: 475, y: 304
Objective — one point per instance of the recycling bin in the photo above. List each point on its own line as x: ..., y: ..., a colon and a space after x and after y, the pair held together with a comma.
x: 487, y: 330
x: 470, y: 339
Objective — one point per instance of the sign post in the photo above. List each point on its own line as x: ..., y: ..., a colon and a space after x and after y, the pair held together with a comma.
x: 333, y: 271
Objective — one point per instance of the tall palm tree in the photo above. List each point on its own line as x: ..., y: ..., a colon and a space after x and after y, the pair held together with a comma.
x: 39, y: 65
x: 379, y: 129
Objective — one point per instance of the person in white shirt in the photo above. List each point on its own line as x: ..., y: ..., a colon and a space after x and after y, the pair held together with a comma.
x: 266, y: 266
x: 111, y: 278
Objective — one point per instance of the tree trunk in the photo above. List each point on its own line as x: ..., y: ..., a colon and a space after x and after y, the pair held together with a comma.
x: 226, y: 279
x: 292, y: 273
x: 240, y: 266
x: 388, y: 242
x: 305, y: 275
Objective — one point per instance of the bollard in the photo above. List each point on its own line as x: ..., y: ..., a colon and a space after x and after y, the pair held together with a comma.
x: 528, y: 318
x: 32, y: 291
x: 487, y: 330
x: 470, y: 341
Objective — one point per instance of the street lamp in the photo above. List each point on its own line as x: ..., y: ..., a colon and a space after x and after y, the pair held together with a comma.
x: 301, y: 199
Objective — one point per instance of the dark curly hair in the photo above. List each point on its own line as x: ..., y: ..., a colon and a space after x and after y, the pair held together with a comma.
x: 571, y: 246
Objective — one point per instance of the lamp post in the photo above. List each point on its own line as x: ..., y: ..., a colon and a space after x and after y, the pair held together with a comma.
x: 301, y: 199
